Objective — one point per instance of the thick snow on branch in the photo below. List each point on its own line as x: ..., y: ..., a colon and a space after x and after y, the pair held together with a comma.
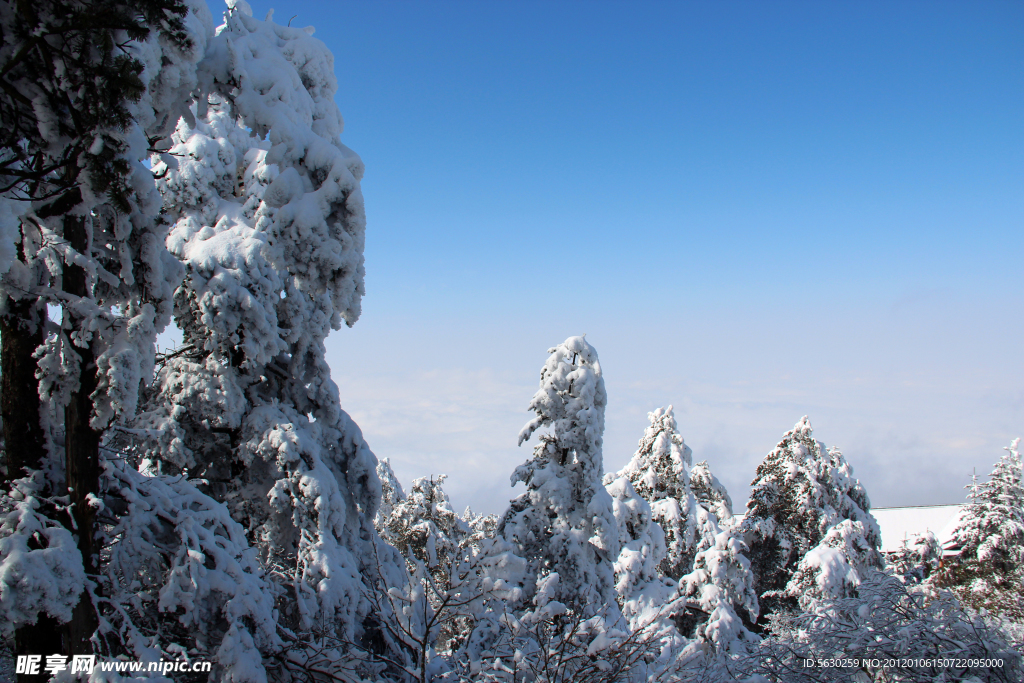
x: 40, y: 565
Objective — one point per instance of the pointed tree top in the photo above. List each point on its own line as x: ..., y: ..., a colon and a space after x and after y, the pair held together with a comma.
x: 803, y: 427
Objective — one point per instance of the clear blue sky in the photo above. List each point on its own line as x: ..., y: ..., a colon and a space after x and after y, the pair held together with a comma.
x: 755, y: 210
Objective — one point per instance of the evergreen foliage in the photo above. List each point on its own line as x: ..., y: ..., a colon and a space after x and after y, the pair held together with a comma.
x: 71, y: 73
x: 660, y: 472
x: 714, y: 593
x: 800, y: 492
x: 988, y: 571
x: 424, y: 528
x: 711, y: 493
x: 721, y: 586
x: 564, y: 524
x: 641, y: 541
x: 88, y: 90
x: 391, y: 494
x: 268, y: 221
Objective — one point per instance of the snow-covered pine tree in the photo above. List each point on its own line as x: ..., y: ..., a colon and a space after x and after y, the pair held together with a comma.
x: 800, y: 492
x: 833, y: 568
x: 424, y: 528
x: 564, y: 523
x: 714, y: 581
x: 269, y: 223
x: 391, y: 494
x: 555, y: 547
x: 711, y: 493
x: 660, y: 472
x: 89, y: 89
x: 721, y: 586
x: 650, y: 602
x: 989, y: 570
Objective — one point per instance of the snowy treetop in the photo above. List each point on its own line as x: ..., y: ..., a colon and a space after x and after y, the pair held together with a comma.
x: 660, y: 468
x: 802, y: 479
x: 571, y: 401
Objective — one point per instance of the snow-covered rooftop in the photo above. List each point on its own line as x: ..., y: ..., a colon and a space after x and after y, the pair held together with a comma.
x: 907, y: 522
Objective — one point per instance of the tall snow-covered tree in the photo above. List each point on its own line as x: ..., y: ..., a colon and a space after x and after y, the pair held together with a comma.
x: 564, y: 523
x: 660, y: 472
x: 268, y: 221
x: 703, y: 557
x: 800, y: 492
x: 989, y: 569
x: 89, y: 90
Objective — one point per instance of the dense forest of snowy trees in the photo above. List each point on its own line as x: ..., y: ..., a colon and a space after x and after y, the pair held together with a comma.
x: 216, y: 504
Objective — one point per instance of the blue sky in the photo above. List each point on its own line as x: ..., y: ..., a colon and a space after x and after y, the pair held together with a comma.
x: 755, y: 211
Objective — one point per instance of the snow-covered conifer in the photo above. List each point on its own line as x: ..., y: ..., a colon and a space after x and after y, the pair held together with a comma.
x: 90, y: 89
x: 480, y: 525
x: 564, y: 524
x: 714, y: 581
x: 711, y: 493
x: 802, y: 490
x: 650, y: 602
x: 641, y: 541
x: 989, y: 569
x: 833, y: 568
x: 268, y: 221
x: 721, y: 586
x: 391, y: 493
x: 562, y: 532
x: 423, y: 527
x: 660, y: 473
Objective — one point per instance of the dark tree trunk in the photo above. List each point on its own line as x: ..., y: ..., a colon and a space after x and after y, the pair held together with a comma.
x: 81, y: 450
x: 21, y: 333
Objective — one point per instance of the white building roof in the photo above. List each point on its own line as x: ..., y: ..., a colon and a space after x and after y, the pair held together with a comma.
x: 898, y: 524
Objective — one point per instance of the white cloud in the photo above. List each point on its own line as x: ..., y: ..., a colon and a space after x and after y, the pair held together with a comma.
x: 914, y: 403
